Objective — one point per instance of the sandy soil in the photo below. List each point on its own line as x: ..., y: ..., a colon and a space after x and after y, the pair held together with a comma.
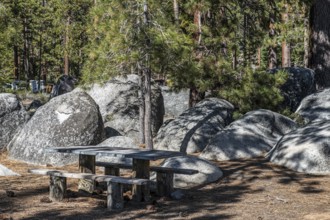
x: 250, y: 189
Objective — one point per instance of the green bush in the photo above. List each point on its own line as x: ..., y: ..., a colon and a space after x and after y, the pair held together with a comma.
x: 255, y: 90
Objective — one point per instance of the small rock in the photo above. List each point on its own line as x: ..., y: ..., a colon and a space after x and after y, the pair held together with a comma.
x: 45, y: 200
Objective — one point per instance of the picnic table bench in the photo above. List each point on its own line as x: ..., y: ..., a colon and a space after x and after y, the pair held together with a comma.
x: 115, y: 200
x: 164, y: 175
x: 141, y: 165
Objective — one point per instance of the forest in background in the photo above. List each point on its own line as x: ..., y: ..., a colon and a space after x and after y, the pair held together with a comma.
x: 221, y: 46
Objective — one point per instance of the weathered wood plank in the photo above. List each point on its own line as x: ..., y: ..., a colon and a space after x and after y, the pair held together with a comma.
x: 86, y: 165
x: 115, y: 199
x: 57, y: 188
x: 113, y: 171
x: 141, y: 169
x: 137, y: 153
x: 95, y: 177
x: 164, y: 184
x: 152, y: 168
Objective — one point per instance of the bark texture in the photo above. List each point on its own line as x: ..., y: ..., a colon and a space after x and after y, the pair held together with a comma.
x: 320, y: 40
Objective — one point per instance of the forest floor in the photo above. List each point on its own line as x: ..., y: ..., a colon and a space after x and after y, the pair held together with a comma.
x: 250, y: 189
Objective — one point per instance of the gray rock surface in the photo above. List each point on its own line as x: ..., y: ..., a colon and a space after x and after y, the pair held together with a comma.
x: 117, y: 141
x: 208, y: 172
x: 70, y: 119
x: 253, y: 135
x: 191, y: 131
x: 4, y: 171
x: 119, y: 105
x: 315, y: 107
x: 175, y: 103
x: 300, y: 83
x: 305, y: 150
x: 12, y: 117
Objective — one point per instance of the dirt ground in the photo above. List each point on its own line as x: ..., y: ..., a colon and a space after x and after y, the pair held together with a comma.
x: 250, y: 189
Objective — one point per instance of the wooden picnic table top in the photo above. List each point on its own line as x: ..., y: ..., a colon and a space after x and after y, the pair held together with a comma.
x: 135, y: 153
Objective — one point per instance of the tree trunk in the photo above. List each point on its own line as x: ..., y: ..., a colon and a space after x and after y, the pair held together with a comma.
x: 286, y: 57
x: 306, y: 39
x: 16, y: 63
x: 147, y: 117
x: 195, y: 96
x: 320, y: 42
x: 176, y: 11
x: 198, y: 23
x: 147, y: 84
x: 141, y: 110
x: 26, y: 53
x: 272, y: 57
x: 66, y: 45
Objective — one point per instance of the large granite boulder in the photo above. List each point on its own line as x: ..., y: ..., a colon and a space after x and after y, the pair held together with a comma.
x: 12, y: 117
x: 175, y: 102
x: 305, y: 150
x: 117, y: 141
x: 4, y: 171
x: 192, y: 130
x: 315, y: 107
x: 300, y: 83
x: 70, y: 119
x: 253, y: 135
x: 208, y: 172
x: 119, y: 105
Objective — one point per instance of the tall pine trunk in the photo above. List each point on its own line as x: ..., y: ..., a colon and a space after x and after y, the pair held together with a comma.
x: 141, y: 109
x: 286, y: 55
x: 66, y: 45
x: 176, y: 11
x: 16, y: 63
x: 320, y: 42
x: 272, y: 57
x: 306, y: 38
x: 195, y: 95
x: 147, y: 84
x: 26, y: 53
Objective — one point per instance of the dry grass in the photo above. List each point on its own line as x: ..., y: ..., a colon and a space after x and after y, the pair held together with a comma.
x: 250, y: 189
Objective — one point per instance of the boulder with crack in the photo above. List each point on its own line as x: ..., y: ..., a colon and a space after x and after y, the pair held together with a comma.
x: 70, y: 119
x: 253, y: 135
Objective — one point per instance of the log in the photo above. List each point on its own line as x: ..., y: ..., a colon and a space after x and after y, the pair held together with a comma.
x: 57, y: 188
x: 164, y: 184
x: 115, y: 199
x: 86, y: 165
x: 141, y: 169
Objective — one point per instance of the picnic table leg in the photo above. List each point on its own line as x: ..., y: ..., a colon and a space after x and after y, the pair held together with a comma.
x: 86, y: 165
x: 141, y: 169
x: 164, y: 184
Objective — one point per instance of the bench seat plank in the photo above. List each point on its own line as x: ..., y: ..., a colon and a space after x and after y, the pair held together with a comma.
x: 164, y: 177
x: 98, y: 178
x: 152, y: 168
x: 115, y: 199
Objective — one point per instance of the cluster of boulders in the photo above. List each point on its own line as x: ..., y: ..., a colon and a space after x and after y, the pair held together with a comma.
x: 108, y: 115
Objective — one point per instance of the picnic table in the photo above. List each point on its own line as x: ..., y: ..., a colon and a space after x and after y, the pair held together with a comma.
x: 141, y: 163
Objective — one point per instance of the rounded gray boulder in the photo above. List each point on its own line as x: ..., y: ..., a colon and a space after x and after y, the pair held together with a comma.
x: 119, y: 105
x: 315, y: 107
x: 12, y: 117
x: 305, y: 150
x: 207, y: 172
x: 251, y: 136
x: 299, y: 84
x: 70, y: 119
x: 192, y: 130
